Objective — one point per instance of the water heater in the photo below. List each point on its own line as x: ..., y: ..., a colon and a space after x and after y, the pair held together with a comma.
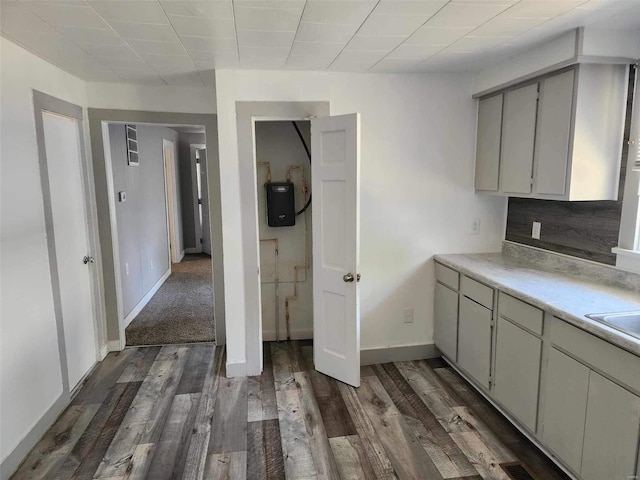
x: 281, y: 206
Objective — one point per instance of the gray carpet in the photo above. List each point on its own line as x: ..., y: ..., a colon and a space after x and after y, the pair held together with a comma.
x: 181, y: 311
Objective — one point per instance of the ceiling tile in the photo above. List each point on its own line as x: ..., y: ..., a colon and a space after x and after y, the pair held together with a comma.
x: 204, y: 66
x: 302, y: 62
x: 94, y: 36
x: 274, y: 19
x: 255, y: 57
x: 325, y: 32
x: 168, y: 60
x: 472, y: 44
x: 629, y: 19
x: 391, y: 24
x: 271, y: 4
x: 209, y: 8
x: 205, y: 27
x: 470, y: 15
x: 157, y: 48
x: 116, y: 51
x: 54, y: 13
x: 212, y: 56
x: 541, y: 8
x: 437, y: 36
x: 106, y: 76
x: 209, y: 77
x: 14, y: 17
x: 401, y: 7
x: 394, y: 65
x: 360, y: 56
x: 209, y: 44
x: 143, y: 11
x: 147, y: 78
x: 342, y: 66
x: 255, y: 38
x: 123, y: 63
x: 414, y: 51
x: 337, y: 12
x: 506, y: 27
x: 144, y: 31
x: 317, y: 49
x: 368, y: 42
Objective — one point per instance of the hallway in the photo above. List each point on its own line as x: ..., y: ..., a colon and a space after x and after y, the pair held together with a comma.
x: 181, y: 311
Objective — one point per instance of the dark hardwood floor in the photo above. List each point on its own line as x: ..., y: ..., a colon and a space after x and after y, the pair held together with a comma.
x: 169, y: 413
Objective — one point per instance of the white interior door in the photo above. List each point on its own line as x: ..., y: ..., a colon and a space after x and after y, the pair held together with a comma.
x: 62, y: 147
x: 204, y: 203
x: 335, y: 177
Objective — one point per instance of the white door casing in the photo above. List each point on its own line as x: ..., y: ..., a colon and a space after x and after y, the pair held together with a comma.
x: 171, y: 200
x: 62, y: 147
x: 206, y: 229
x: 335, y: 165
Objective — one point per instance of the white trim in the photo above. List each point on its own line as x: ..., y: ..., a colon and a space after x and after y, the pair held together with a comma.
x: 13, y: 460
x: 171, y: 200
x: 141, y: 304
x: 403, y: 353
x: 102, y: 353
x: 627, y: 260
x: 181, y: 256
x: 115, y: 346
x: 237, y: 369
x: 194, y: 194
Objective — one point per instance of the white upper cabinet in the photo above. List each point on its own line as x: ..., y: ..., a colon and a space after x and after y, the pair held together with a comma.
x: 559, y: 136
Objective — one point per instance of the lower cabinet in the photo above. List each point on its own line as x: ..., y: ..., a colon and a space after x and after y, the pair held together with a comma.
x: 565, y: 407
x: 446, y: 320
x: 474, y: 340
x: 611, y: 431
x: 517, y: 371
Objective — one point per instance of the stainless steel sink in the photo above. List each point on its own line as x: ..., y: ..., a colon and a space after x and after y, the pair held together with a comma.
x: 627, y: 322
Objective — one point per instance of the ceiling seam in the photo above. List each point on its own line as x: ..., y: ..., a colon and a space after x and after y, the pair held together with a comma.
x: 296, y: 34
x: 235, y: 30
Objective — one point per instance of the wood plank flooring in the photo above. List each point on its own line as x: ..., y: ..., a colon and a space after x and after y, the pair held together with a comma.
x: 169, y: 413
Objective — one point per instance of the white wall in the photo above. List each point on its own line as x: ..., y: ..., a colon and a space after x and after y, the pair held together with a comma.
x: 417, y: 195
x: 30, y: 376
x: 158, y: 98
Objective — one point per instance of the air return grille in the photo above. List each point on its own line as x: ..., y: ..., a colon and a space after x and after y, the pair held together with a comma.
x: 517, y: 471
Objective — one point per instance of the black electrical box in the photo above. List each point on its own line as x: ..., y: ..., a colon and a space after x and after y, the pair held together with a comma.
x: 281, y: 205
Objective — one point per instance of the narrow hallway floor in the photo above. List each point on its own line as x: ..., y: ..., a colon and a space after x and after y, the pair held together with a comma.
x: 169, y: 413
x: 181, y: 311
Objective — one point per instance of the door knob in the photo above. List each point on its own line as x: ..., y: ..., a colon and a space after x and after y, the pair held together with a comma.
x: 88, y: 259
x: 358, y: 277
x: 348, y: 277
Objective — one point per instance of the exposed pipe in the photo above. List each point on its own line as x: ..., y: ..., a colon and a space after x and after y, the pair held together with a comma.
x: 268, y: 165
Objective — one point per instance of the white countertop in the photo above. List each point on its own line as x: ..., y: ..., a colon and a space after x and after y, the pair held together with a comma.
x: 568, y: 297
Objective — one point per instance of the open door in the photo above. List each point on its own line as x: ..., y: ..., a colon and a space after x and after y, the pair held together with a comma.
x: 335, y: 175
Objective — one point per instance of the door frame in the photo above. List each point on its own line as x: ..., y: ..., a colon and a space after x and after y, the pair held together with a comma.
x: 99, y: 119
x: 193, y: 147
x: 247, y: 113
x: 41, y: 103
x: 171, y: 201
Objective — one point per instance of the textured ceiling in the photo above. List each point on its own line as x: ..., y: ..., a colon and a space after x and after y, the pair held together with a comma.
x: 181, y: 42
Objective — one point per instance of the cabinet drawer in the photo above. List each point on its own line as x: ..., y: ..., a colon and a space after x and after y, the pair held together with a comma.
x: 447, y: 276
x: 599, y: 354
x: 521, y: 313
x: 476, y: 291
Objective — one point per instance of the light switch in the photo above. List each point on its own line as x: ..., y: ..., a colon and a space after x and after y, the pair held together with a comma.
x: 122, y: 196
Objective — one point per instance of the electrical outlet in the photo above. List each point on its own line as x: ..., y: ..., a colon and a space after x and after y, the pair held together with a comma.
x: 535, y: 230
x: 475, y: 227
x: 408, y: 315
x: 126, y: 269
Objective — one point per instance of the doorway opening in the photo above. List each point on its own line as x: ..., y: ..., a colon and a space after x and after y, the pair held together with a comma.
x: 165, y: 276
x: 283, y: 164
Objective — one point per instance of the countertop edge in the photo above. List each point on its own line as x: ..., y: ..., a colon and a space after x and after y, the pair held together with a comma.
x: 608, y: 334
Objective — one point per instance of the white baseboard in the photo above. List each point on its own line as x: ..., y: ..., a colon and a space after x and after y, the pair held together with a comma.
x: 237, y: 369
x: 270, y: 335
x: 181, y: 255
x: 11, y: 463
x: 371, y: 356
x: 103, y: 351
x: 114, y: 346
x: 141, y: 304
x: 191, y: 250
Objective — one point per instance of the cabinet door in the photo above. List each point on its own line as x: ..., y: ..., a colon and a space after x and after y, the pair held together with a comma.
x: 552, y: 135
x: 474, y: 340
x: 518, y: 134
x: 446, y: 321
x: 611, y: 431
x: 565, y: 406
x: 488, y: 143
x: 517, y: 372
